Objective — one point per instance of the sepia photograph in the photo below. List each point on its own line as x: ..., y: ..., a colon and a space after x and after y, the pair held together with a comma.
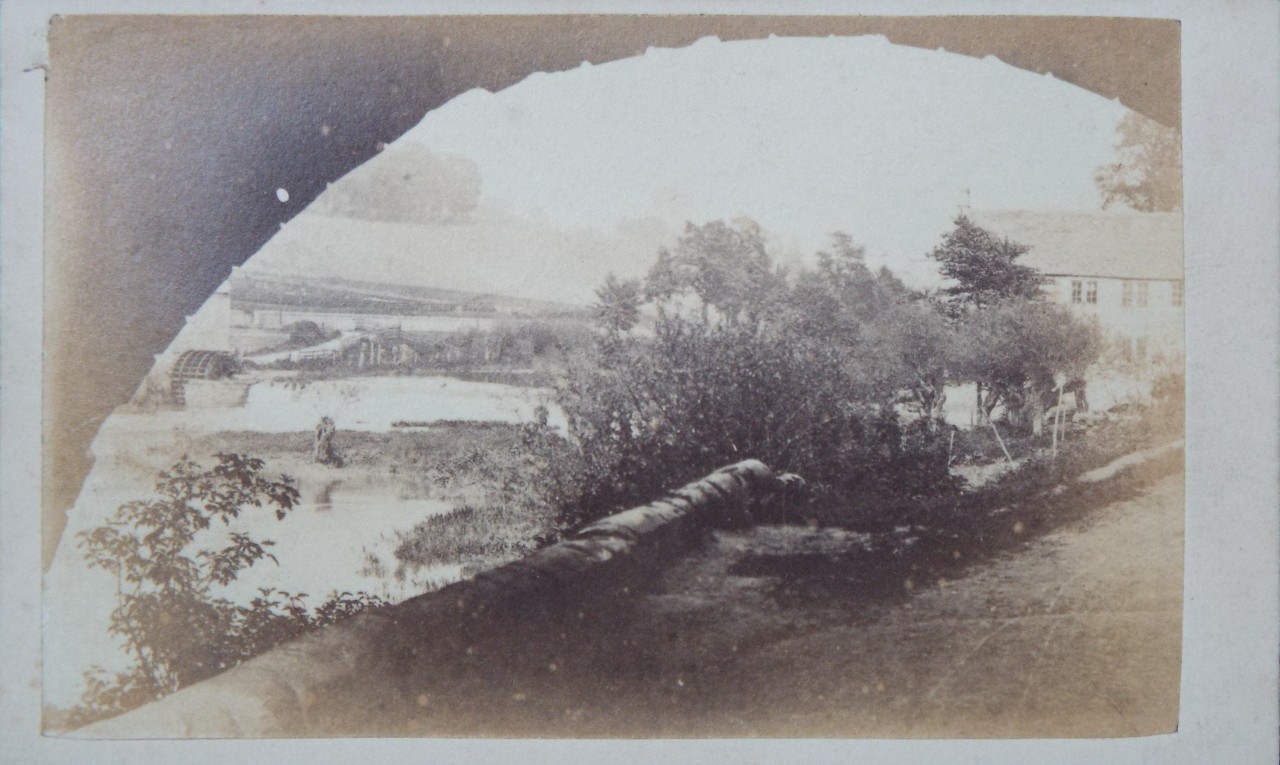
x: 613, y: 376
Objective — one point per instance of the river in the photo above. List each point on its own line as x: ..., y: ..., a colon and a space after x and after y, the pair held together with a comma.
x: 341, y: 537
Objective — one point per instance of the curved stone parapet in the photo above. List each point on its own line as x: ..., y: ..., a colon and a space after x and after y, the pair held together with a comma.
x: 334, y: 681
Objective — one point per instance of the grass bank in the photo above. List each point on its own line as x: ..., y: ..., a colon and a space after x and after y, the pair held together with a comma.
x: 472, y: 465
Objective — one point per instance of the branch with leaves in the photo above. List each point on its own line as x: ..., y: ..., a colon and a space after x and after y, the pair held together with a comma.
x: 169, y: 555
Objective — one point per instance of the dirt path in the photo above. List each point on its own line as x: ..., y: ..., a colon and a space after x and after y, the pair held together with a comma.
x: 1077, y: 635
x: 769, y: 632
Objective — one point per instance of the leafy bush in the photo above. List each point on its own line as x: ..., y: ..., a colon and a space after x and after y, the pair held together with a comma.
x: 470, y: 536
x: 664, y: 412
x: 168, y: 559
x: 307, y: 333
x: 1020, y: 351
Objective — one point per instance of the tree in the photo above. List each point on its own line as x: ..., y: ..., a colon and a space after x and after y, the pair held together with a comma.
x: 865, y: 293
x: 853, y: 309
x: 986, y: 273
x: 169, y: 555
x: 984, y: 267
x: 617, y: 307
x: 1021, y: 352
x: 664, y: 282
x: 922, y: 344
x: 729, y: 269
x: 1148, y: 177
x: 305, y: 333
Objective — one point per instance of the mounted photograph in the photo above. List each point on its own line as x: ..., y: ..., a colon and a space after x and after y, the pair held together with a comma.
x: 613, y: 376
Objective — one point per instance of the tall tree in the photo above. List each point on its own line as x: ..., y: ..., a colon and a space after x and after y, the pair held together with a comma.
x: 617, y: 308
x: 844, y: 269
x: 986, y: 274
x: 851, y: 308
x: 984, y: 267
x: 1148, y: 177
x: 664, y: 282
x: 920, y: 346
x: 730, y: 270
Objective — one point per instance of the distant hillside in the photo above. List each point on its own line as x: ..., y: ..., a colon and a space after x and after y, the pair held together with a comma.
x: 251, y: 289
x: 492, y: 254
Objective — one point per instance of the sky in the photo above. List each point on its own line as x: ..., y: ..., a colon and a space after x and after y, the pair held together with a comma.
x: 807, y: 136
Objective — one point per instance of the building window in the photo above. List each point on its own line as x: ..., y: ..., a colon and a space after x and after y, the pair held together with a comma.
x: 1177, y: 293
x: 1091, y: 293
x: 1077, y: 290
x: 1142, y: 294
x: 1126, y: 294
x: 1140, y: 348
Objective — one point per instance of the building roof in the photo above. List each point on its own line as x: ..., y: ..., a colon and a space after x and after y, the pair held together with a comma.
x: 1117, y: 245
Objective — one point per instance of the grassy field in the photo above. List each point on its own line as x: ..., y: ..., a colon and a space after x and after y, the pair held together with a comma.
x: 409, y: 449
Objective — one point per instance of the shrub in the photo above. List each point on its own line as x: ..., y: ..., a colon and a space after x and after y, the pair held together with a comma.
x: 168, y: 561
x: 663, y: 411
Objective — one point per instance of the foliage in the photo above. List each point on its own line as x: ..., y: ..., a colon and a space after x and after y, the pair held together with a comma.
x: 842, y: 296
x: 169, y: 556
x: 1148, y: 177
x: 895, y: 345
x: 724, y: 266
x: 922, y: 348
x: 307, y: 333
x: 668, y: 410
x: 507, y: 344
x: 984, y: 267
x: 617, y: 308
x: 810, y: 374
x: 1016, y: 347
x: 1021, y: 352
x: 469, y: 535
x: 796, y: 375
x: 523, y: 476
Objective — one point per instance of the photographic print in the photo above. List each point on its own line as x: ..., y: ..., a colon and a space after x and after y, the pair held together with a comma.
x: 613, y: 376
